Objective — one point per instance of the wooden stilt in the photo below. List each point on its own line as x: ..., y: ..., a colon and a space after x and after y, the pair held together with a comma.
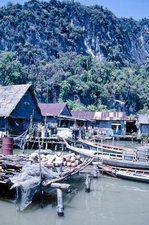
x: 23, y: 147
x: 60, y: 207
x: 88, y: 183
x: 46, y: 145
x: 41, y: 196
x: 95, y: 175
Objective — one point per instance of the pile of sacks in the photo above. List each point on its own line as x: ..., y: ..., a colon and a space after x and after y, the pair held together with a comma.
x: 50, y: 161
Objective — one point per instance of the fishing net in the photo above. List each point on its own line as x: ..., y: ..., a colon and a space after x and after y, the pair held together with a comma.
x: 19, y: 140
x: 28, y: 182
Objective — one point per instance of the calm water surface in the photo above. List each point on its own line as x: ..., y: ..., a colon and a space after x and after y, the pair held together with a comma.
x: 111, y: 201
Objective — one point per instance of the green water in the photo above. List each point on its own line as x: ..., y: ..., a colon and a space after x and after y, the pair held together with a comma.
x: 111, y: 201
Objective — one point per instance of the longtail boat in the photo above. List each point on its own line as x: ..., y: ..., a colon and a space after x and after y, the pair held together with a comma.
x: 125, y: 173
x: 103, y: 147
x: 113, y: 159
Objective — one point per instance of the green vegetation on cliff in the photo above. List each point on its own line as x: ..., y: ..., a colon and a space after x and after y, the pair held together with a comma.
x: 81, y: 55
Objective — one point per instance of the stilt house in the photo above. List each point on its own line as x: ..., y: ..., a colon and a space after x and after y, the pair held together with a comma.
x: 57, y: 114
x: 118, y: 122
x: 18, y: 107
x: 143, y: 124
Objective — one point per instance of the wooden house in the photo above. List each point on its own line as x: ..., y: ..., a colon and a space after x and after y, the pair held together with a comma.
x: 57, y: 114
x: 143, y: 124
x: 18, y: 107
x: 118, y: 122
x: 84, y: 118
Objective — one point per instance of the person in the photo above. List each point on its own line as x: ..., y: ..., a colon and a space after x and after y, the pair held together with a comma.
x: 42, y: 131
x: 83, y: 132
x: 49, y: 133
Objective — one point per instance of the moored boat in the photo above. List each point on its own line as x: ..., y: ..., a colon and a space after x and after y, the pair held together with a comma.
x: 24, y: 175
x: 125, y: 173
x: 113, y: 159
x: 103, y: 147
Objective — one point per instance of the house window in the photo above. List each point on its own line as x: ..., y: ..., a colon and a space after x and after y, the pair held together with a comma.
x: 116, y: 126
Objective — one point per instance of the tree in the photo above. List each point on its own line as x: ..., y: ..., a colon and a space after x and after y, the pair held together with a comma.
x: 65, y: 92
x: 91, y: 108
x: 10, y: 69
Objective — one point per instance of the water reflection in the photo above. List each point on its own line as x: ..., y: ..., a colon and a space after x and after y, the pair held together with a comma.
x: 111, y: 201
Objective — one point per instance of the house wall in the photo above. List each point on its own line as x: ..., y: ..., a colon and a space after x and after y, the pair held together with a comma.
x: 18, y: 126
x: 2, y: 124
x: 51, y: 120
x: 25, y: 108
x: 60, y: 122
x: 90, y: 123
x: 117, y: 129
x: 65, y: 112
x: 145, y: 128
x: 103, y: 124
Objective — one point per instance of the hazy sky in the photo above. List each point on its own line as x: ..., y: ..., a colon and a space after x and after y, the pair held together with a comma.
x: 137, y: 9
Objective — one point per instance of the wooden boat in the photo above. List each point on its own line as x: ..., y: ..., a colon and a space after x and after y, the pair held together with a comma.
x: 14, y: 168
x: 125, y: 173
x: 113, y: 159
x: 13, y: 164
x: 103, y: 147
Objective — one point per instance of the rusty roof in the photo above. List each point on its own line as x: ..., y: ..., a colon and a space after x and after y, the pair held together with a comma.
x: 110, y: 116
x: 52, y: 109
x: 143, y: 118
x: 87, y: 115
x: 105, y: 116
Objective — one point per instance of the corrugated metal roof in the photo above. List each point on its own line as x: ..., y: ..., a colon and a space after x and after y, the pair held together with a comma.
x: 87, y: 115
x: 144, y: 118
x: 10, y: 97
x: 105, y: 116
x: 110, y: 116
x: 52, y: 109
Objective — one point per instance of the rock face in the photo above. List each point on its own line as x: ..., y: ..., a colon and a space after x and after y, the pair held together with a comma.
x: 39, y: 30
x: 57, y: 41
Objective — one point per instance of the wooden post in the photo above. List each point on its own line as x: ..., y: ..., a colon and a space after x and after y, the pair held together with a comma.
x: 46, y: 145
x: 88, y: 183
x: 95, y: 172
x: 23, y: 147
x: 60, y: 207
x: 27, y: 145
x: 41, y: 193
x: 55, y: 147
x: 113, y: 139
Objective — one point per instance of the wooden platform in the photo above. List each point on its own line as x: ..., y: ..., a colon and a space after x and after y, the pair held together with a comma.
x: 53, y: 143
x: 125, y: 137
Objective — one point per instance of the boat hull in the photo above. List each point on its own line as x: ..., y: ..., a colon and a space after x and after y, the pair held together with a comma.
x: 108, y: 158
x: 133, y: 178
x: 126, y: 173
x: 126, y: 164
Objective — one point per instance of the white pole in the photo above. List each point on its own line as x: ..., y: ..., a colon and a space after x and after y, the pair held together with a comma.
x: 60, y: 207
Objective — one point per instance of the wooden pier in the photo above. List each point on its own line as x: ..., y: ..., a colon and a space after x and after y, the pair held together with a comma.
x: 53, y: 143
x: 125, y: 137
x: 11, y: 169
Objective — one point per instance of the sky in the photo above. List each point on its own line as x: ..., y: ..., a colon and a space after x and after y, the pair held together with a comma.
x: 137, y: 9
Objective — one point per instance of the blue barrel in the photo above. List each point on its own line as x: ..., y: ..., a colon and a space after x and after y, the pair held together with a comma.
x: 7, y: 146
